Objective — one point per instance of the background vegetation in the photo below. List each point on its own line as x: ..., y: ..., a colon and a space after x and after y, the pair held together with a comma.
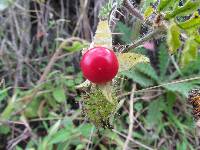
x: 40, y: 107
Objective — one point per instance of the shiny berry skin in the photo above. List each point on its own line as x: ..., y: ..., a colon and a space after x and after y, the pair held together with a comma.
x: 99, y: 65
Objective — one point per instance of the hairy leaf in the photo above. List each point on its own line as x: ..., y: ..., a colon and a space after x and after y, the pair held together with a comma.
x: 190, y: 52
x: 188, y: 8
x: 103, y: 36
x: 129, y: 60
x: 163, y: 60
x: 182, y: 88
x: 126, y: 32
x: 191, y: 23
x: 163, y: 4
x: 173, y: 40
x: 154, y: 114
x: 148, y: 70
x: 191, y: 68
x: 139, y: 78
x: 59, y: 94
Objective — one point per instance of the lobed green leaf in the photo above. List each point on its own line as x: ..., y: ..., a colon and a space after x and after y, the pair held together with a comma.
x: 173, y: 38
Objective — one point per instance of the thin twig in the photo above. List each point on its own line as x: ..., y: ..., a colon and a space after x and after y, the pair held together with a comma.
x: 90, y: 138
x: 161, y: 85
x: 55, y: 57
x: 170, y: 83
x: 131, y: 117
x: 132, y: 140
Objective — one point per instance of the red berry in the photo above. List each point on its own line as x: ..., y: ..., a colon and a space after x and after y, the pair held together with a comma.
x: 99, y: 65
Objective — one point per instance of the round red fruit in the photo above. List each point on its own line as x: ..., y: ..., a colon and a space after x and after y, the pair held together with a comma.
x: 99, y: 65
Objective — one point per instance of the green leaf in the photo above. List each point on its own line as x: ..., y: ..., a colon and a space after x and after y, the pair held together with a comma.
x: 182, y: 88
x: 190, y: 52
x: 154, y: 114
x: 80, y: 147
x: 61, y: 136
x: 188, y: 8
x: 86, y: 129
x: 191, y: 68
x: 139, y: 78
x: 126, y: 32
x: 7, y: 112
x: 54, y: 128
x: 171, y: 99
x: 173, y: 40
x: 4, y: 129
x: 163, y: 4
x: 32, y: 109
x: 76, y: 46
x: 148, y: 70
x: 191, y: 23
x: 3, y: 94
x: 163, y: 60
x: 129, y: 60
x: 197, y: 39
x: 138, y: 106
x: 19, y: 148
x: 175, y: 121
x: 182, y: 146
x: 59, y: 94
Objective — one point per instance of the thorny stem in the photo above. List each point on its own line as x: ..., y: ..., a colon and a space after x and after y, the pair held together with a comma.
x: 133, y: 11
x: 159, y: 31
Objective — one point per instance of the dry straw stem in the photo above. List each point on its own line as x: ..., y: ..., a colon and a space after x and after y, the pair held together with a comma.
x: 131, y: 117
x: 28, y: 98
x: 161, y: 85
x: 132, y: 140
x: 55, y: 57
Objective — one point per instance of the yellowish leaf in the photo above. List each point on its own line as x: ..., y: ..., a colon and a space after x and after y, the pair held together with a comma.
x: 190, y: 52
x: 148, y: 12
x: 173, y: 39
x: 85, y: 84
x: 129, y: 60
x: 107, y: 91
x: 103, y: 36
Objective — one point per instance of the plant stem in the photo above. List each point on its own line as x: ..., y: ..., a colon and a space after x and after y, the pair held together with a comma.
x: 131, y: 117
x: 133, y: 11
x: 158, y: 31
x: 132, y: 140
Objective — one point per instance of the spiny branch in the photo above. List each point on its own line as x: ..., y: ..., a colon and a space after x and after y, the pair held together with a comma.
x: 157, y: 32
x: 133, y: 11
